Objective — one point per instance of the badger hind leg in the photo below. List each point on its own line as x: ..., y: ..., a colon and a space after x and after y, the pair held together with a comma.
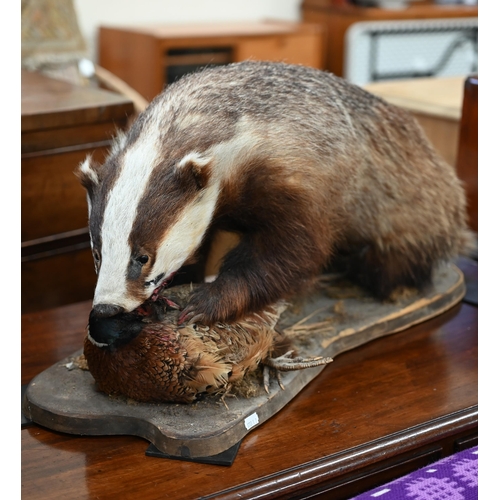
x: 381, y: 272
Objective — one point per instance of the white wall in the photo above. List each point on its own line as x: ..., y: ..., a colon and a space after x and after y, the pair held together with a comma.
x: 93, y: 13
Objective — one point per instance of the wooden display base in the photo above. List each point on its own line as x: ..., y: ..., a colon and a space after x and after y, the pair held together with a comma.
x: 332, y: 320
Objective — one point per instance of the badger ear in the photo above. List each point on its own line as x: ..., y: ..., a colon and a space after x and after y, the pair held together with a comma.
x: 196, y: 167
x: 87, y: 173
x: 118, y: 143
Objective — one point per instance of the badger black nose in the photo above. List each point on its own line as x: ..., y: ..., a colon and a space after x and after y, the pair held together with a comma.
x: 110, y: 326
x: 106, y: 310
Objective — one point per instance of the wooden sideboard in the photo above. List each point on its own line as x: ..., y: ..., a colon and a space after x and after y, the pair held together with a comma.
x: 149, y: 57
x: 376, y: 413
x: 336, y: 18
x: 467, y: 162
x: 60, y: 125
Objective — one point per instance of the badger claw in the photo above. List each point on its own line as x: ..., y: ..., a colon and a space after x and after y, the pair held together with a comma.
x: 171, y: 303
x: 201, y: 307
x: 185, y: 315
x: 188, y: 316
x: 198, y: 318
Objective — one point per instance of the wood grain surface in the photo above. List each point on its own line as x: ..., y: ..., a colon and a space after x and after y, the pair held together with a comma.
x: 467, y: 161
x: 378, y: 411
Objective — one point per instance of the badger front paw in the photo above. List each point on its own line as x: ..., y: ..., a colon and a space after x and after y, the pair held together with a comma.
x: 189, y: 315
x: 201, y: 307
x: 209, y: 304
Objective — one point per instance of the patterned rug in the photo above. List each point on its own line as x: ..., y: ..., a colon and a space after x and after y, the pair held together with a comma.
x: 452, y: 478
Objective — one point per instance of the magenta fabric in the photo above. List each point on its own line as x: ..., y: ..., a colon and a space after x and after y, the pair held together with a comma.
x: 451, y: 478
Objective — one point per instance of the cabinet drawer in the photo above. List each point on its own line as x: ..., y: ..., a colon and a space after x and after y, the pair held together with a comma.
x: 57, y: 280
x: 303, y: 49
x: 52, y: 199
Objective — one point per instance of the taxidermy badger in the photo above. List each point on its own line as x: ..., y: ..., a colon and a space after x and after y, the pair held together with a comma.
x: 304, y: 166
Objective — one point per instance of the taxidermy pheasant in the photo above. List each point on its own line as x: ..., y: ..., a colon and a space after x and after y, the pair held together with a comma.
x: 145, y: 355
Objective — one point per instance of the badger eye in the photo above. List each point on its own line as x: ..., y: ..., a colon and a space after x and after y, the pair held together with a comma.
x: 96, y: 255
x: 143, y: 259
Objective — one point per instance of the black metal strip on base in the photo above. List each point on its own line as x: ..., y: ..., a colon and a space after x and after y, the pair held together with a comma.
x: 469, y: 267
x: 224, y: 458
x: 24, y: 421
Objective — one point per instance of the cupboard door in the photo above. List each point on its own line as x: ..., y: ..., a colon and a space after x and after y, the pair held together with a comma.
x: 303, y: 49
x: 52, y: 199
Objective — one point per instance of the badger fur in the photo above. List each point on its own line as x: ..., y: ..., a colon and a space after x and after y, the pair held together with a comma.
x: 307, y: 168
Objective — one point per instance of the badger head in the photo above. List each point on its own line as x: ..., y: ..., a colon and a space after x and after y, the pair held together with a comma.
x: 148, y: 214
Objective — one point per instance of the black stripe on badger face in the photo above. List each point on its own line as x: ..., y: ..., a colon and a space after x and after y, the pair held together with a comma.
x: 171, y: 220
x: 156, y: 281
x: 98, y: 180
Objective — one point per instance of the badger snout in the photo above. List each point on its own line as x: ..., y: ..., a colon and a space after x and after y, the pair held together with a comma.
x: 110, y: 326
x: 106, y: 310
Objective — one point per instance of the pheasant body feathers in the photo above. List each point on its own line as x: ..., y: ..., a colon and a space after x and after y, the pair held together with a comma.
x: 168, y: 362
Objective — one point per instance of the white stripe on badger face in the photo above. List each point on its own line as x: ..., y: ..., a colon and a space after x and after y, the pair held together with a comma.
x: 119, y: 215
x: 89, y: 210
x: 247, y: 143
x: 184, y: 237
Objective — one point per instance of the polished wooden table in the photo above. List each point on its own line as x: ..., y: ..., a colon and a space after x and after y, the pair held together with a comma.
x: 376, y: 413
